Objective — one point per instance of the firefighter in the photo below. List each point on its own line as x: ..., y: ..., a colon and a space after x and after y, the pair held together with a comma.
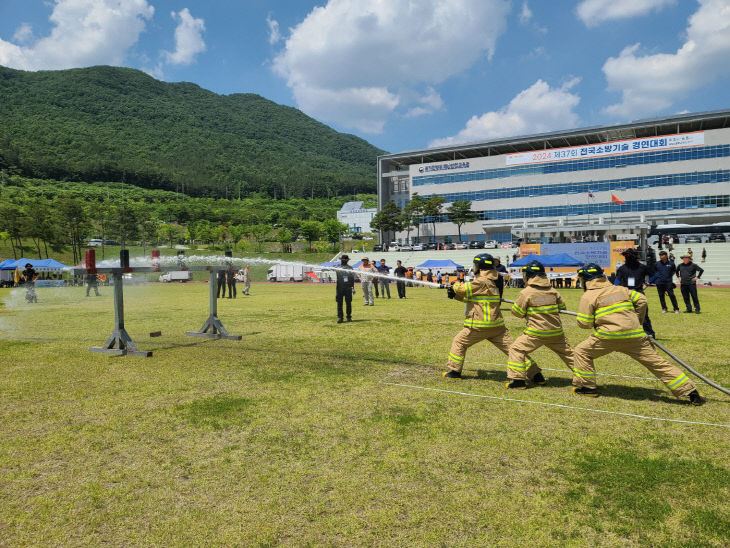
x: 483, y: 318
x: 29, y: 278
x: 540, y: 304
x: 616, y: 313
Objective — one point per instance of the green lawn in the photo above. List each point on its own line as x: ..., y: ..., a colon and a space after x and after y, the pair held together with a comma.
x: 292, y: 436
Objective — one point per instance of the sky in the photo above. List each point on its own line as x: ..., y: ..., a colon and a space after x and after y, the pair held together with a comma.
x: 404, y: 74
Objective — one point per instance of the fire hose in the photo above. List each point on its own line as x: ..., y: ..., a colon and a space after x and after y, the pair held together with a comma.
x: 668, y: 353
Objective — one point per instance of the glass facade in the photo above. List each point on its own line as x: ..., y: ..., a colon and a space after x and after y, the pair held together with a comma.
x: 624, y: 160
x: 692, y: 178
x: 636, y: 206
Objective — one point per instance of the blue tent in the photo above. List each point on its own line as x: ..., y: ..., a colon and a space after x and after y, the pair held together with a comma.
x: 561, y: 259
x: 38, y: 264
x: 328, y: 263
x: 447, y: 264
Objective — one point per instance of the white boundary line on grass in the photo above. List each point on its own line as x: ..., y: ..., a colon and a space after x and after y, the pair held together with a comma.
x: 645, y: 417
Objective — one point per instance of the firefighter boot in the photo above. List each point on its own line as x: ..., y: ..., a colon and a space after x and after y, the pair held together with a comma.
x: 584, y: 391
x: 539, y: 379
x: 695, y: 398
x: 451, y: 374
x: 517, y: 384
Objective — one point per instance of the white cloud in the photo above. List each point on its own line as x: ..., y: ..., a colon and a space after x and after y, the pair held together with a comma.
x: 369, y: 58
x: 651, y: 83
x: 595, y: 12
x: 525, y: 13
x: 84, y: 33
x: 274, y: 34
x: 537, y: 109
x: 23, y: 34
x: 188, y: 38
x: 427, y: 104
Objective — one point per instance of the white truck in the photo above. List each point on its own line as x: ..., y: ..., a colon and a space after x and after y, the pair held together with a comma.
x: 176, y: 276
x: 287, y: 273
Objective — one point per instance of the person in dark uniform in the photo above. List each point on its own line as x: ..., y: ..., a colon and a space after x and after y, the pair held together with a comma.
x: 633, y: 275
x: 400, y: 271
x: 664, y: 271
x: 221, y: 283
x: 688, y: 274
x: 231, y: 281
x: 92, y: 282
x: 29, y: 277
x: 345, y: 289
x: 502, y: 271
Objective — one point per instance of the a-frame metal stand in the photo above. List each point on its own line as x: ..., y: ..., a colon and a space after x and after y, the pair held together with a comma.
x: 213, y: 328
x: 119, y: 342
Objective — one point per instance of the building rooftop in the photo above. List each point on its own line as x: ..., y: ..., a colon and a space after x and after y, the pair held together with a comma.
x: 351, y: 206
x: 680, y: 123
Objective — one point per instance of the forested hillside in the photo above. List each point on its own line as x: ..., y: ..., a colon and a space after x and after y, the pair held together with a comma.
x: 118, y: 124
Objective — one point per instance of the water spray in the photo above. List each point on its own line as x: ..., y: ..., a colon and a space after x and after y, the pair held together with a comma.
x: 667, y: 352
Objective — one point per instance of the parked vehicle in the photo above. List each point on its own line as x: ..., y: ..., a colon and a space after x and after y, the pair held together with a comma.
x: 462, y: 245
x: 476, y: 244
x: 95, y: 242
x: 693, y: 239
x: 394, y: 246
x: 287, y: 273
x: 450, y: 247
x: 378, y: 247
x: 431, y: 246
x: 181, y: 276
x: 716, y: 238
x: 405, y: 247
x: 418, y: 247
x: 491, y: 244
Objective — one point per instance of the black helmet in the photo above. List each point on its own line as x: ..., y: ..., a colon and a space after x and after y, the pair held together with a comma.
x: 590, y: 271
x: 483, y: 261
x: 28, y: 265
x: 532, y: 269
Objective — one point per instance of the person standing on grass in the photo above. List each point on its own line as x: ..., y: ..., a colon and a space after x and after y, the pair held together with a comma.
x: 92, y: 282
x: 401, y: 272
x: 221, y: 281
x: 483, y: 319
x: 634, y: 275
x: 502, y: 271
x: 540, y: 305
x: 231, y: 281
x: 345, y: 289
x: 366, y: 281
x: 616, y: 314
x: 384, y: 282
x: 704, y: 254
x: 246, y: 281
x: 688, y: 274
x: 662, y: 278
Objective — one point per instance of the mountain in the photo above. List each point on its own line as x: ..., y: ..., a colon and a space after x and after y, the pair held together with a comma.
x: 118, y: 124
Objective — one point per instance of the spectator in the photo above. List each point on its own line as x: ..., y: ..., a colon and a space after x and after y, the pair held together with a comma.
x: 438, y: 277
x: 688, y: 274
x: 384, y: 282
x: 690, y: 253
x: 662, y: 278
x: 366, y: 279
x: 704, y: 254
x: 429, y: 276
x: 634, y: 275
x: 401, y: 272
x: 501, y: 275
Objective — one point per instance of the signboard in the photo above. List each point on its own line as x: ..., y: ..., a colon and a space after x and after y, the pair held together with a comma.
x: 588, y: 252
x: 616, y: 258
x: 663, y: 142
x: 528, y: 249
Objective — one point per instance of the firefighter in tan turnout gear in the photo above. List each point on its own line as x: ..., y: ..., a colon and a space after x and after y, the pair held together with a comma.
x: 616, y: 314
x: 540, y: 304
x: 484, y: 319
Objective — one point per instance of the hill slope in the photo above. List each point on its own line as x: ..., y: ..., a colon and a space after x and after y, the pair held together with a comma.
x: 111, y: 124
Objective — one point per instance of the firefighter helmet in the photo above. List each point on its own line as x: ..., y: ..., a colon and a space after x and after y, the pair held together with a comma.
x: 590, y: 271
x: 483, y: 261
x: 532, y: 269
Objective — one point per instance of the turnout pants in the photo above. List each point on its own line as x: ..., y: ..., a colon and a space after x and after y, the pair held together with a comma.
x: 345, y: 296
x: 517, y: 362
x: 498, y: 336
x: 690, y: 290
x: 669, y: 290
x: 367, y: 292
x: 640, y: 349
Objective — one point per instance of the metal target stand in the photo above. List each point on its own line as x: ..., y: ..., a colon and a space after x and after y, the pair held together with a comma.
x: 120, y: 343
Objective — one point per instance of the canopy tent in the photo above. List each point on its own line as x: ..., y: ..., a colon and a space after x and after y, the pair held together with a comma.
x: 561, y: 259
x: 329, y: 263
x: 41, y: 265
x: 446, y: 264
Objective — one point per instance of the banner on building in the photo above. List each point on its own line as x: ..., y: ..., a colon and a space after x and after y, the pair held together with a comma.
x: 612, y: 148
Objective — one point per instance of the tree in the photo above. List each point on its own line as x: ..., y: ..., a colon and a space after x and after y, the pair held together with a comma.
x: 333, y: 230
x: 387, y: 220
x: 460, y: 212
x: 432, y: 208
x: 237, y: 232
x: 259, y: 233
x: 12, y: 219
x: 148, y: 231
x: 414, y: 210
x: 284, y: 237
x: 126, y: 218
x: 311, y: 230
x: 75, y: 222
x: 170, y: 232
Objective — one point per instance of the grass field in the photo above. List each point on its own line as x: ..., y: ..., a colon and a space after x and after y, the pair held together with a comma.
x: 292, y: 436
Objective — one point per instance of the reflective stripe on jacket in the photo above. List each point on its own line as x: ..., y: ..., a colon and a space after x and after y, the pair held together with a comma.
x: 540, y: 304
x: 613, y: 312
x: 481, y: 297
